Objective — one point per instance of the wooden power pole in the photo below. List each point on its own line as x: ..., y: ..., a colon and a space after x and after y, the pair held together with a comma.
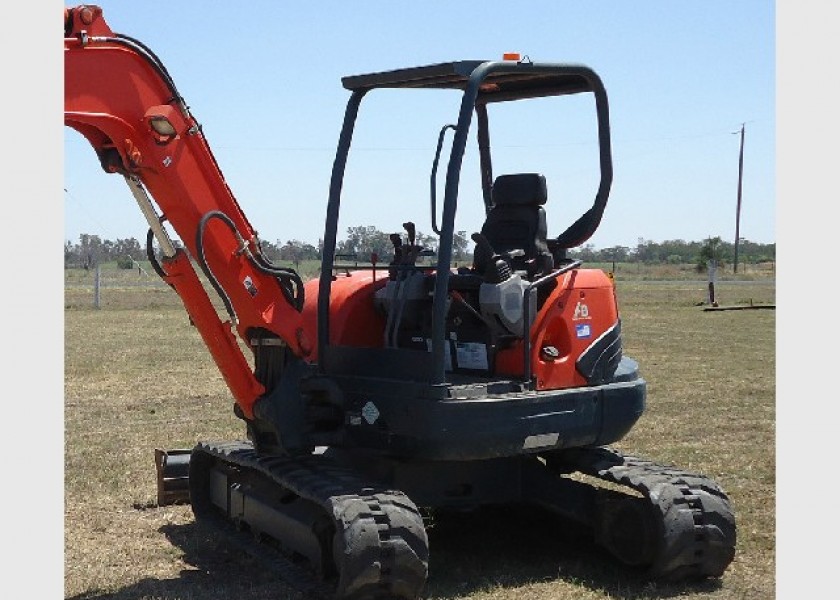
x: 738, y: 207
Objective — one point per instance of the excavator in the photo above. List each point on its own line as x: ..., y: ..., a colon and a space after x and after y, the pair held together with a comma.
x: 374, y: 397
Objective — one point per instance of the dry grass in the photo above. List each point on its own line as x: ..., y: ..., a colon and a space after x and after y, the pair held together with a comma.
x: 137, y: 376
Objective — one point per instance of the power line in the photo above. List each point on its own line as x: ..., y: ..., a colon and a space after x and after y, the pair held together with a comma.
x: 96, y: 221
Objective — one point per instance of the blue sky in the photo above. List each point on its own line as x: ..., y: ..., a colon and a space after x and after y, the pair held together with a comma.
x: 265, y: 85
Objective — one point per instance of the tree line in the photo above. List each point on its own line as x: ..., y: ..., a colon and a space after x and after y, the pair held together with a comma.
x: 361, y: 242
x: 680, y: 252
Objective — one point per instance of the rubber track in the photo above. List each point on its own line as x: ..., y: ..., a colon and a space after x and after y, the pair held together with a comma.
x: 696, y: 520
x: 385, y: 552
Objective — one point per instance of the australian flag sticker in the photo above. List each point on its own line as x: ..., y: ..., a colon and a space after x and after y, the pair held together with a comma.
x: 583, y: 330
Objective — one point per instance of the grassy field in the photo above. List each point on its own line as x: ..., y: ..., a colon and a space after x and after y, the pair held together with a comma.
x: 138, y: 377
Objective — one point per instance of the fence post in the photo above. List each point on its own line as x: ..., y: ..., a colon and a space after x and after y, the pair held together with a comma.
x: 712, y: 268
x: 96, y: 287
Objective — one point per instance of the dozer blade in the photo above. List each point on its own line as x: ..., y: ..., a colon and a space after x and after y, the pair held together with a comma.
x: 173, y: 471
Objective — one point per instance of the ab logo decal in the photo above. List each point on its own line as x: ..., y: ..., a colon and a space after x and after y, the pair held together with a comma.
x: 581, y: 311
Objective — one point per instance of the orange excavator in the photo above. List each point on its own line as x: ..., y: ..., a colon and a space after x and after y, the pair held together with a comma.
x: 376, y: 396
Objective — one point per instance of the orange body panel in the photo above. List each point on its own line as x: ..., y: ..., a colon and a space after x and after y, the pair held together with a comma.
x: 354, y: 321
x: 578, y: 310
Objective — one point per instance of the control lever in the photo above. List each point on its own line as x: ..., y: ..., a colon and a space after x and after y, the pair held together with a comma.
x: 409, y: 227
x: 413, y: 249
x: 396, y: 240
x: 483, y: 243
x: 498, y: 270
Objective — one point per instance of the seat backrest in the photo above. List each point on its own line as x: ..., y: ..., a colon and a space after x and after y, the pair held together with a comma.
x: 517, y: 222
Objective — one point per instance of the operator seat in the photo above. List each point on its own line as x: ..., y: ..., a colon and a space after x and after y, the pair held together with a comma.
x: 516, y: 226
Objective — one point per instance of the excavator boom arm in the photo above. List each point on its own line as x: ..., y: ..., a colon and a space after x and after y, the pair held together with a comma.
x: 120, y: 97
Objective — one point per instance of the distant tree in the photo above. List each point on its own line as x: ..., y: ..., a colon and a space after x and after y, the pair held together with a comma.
x: 125, y: 262
x: 128, y: 247
x: 364, y: 241
x: 291, y: 251
x: 71, y: 254
x: 614, y: 253
x: 430, y: 242
x: 460, y: 243
x: 711, y: 250
x: 587, y: 253
x: 90, y: 250
x: 648, y: 251
x: 270, y: 249
x: 296, y: 251
x: 676, y: 252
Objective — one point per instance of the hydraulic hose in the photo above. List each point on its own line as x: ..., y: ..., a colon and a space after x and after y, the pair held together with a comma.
x: 202, y: 260
x: 288, y: 278
x: 150, y: 254
x: 289, y: 281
